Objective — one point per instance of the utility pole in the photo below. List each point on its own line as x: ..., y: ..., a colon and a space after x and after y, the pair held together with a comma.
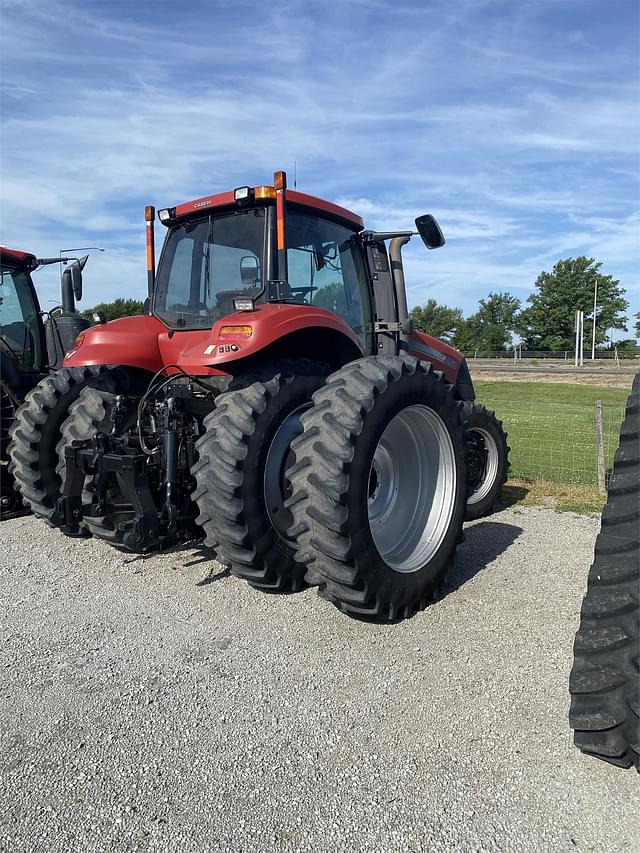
x: 595, y: 302
x: 579, y: 361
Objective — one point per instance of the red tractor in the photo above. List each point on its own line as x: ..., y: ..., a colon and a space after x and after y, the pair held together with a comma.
x: 277, y: 399
x: 30, y: 347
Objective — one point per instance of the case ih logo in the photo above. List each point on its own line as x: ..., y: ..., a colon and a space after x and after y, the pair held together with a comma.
x: 201, y: 203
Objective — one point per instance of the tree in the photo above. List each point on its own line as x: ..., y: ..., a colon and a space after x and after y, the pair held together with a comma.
x: 627, y: 346
x: 490, y: 328
x: 118, y: 308
x: 548, y: 323
x: 637, y: 319
x: 437, y: 320
x: 331, y: 297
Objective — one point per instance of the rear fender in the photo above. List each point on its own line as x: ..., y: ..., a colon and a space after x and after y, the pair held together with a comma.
x: 130, y: 341
x: 276, y: 330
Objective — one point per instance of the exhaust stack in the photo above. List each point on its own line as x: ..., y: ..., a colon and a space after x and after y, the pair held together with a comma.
x: 397, y: 271
x: 280, y: 183
x: 150, y: 215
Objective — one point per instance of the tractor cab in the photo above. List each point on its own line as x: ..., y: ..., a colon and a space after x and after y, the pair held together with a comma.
x: 245, y: 249
x: 22, y: 338
x: 29, y: 347
x: 254, y: 247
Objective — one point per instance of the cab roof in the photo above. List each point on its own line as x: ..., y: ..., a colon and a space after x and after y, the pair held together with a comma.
x: 227, y: 199
x: 15, y: 258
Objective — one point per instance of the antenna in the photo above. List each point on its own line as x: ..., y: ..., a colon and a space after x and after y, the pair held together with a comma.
x: 295, y: 174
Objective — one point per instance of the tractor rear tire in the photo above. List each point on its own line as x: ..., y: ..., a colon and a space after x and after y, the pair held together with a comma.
x: 379, y: 486
x: 605, y: 679
x: 36, y: 433
x: 10, y: 501
x: 88, y: 415
x: 242, y: 457
x: 487, y: 459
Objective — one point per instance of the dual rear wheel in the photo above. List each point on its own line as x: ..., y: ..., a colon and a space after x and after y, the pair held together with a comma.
x: 354, y: 482
x: 72, y: 404
x: 35, y: 434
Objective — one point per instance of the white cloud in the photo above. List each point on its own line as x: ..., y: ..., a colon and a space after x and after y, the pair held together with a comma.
x: 522, y: 147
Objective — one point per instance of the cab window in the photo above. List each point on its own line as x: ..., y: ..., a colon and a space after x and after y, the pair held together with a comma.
x: 326, y: 269
x: 206, y: 264
x: 20, y: 330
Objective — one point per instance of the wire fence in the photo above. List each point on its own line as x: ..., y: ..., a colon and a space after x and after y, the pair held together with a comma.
x: 560, y: 443
x: 518, y: 354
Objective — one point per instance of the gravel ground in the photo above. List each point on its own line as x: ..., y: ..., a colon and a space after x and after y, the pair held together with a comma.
x: 146, y: 706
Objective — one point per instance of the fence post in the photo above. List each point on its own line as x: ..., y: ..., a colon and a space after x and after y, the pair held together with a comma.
x: 600, y: 448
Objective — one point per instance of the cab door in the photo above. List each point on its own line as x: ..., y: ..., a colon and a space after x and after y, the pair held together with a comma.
x: 326, y: 269
x: 21, y: 328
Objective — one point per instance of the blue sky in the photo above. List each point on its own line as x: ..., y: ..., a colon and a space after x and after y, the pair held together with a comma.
x: 515, y: 123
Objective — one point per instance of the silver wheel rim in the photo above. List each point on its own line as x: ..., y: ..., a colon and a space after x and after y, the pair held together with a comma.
x: 491, y: 466
x: 412, y: 489
x: 274, y: 469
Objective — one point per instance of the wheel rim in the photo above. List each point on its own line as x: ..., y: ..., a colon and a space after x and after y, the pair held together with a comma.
x: 412, y: 488
x: 483, y: 461
x: 276, y: 486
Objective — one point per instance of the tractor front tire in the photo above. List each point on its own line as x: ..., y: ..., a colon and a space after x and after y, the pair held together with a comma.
x: 605, y: 679
x: 240, y: 472
x: 36, y: 433
x: 379, y: 486
x: 487, y: 459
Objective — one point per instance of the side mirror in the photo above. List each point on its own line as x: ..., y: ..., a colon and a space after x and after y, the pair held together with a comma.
x: 75, y: 269
x: 249, y: 270
x: 430, y: 231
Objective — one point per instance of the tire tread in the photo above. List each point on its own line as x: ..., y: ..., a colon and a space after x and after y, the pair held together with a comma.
x: 605, y: 678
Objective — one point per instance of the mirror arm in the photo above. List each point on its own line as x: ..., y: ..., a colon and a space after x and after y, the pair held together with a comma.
x: 380, y: 236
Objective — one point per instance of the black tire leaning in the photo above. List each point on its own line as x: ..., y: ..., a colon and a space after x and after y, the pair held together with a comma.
x: 332, y: 486
x: 35, y: 435
x: 487, y: 459
x: 605, y: 678
x: 230, y: 472
x: 87, y: 415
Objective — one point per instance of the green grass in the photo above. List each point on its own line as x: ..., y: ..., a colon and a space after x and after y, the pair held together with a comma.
x: 551, y: 427
x: 559, y: 496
